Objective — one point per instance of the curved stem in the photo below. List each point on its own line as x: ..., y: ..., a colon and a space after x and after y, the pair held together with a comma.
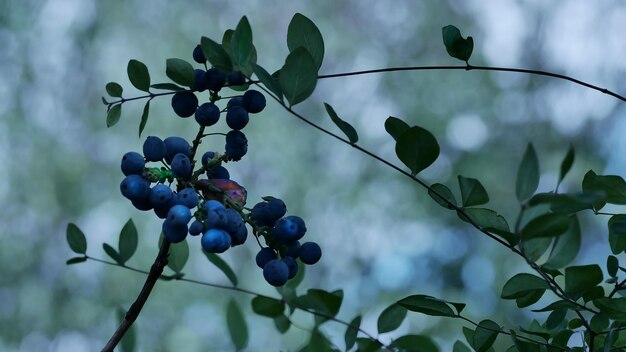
x: 133, y: 312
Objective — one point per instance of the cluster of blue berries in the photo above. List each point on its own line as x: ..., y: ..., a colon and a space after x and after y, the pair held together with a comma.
x: 282, y: 235
x: 213, y: 207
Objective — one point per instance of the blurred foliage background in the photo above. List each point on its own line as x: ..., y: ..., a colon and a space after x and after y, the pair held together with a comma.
x: 382, y: 236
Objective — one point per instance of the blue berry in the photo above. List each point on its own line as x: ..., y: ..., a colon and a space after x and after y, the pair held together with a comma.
x: 235, y: 153
x: 179, y: 215
x: 199, y: 84
x: 236, y: 78
x: 207, y: 114
x: 237, y: 117
x: 215, y: 241
x: 310, y: 253
x: 276, y: 208
x: 175, y: 145
x: 181, y: 166
x: 143, y: 204
x: 235, y: 101
x: 135, y: 187
x: 292, y: 265
x: 276, y: 272
x: 196, y: 228
x: 207, y: 156
x: 154, y: 148
x: 233, y: 220
x: 161, y: 195
x: 289, y: 229
x: 253, y: 101
x: 260, y: 216
x: 216, y: 218
x: 188, y: 197
x: 264, y: 256
x: 236, y: 139
x: 184, y: 104
x: 162, y: 211
x: 239, y: 237
x: 174, y: 232
x: 218, y: 172
x: 133, y: 164
x: 293, y: 250
x: 198, y: 55
x: 214, y: 79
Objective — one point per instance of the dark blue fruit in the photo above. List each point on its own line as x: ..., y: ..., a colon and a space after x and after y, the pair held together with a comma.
x: 142, y: 204
x: 218, y: 172
x: 188, y: 197
x: 196, y: 228
x: 289, y: 229
x: 207, y: 156
x: 154, y: 148
x: 235, y: 154
x: 237, y: 117
x: 276, y: 272
x: 175, y: 145
x: 133, y: 164
x: 179, y: 215
x: 236, y: 139
x: 174, y: 232
x: 236, y: 78
x: 135, y: 187
x: 253, y: 101
x: 310, y: 253
x: 184, y: 104
x: 199, y: 83
x: 161, y: 195
x: 198, y: 55
x: 264, y: 256
x: 239, y: 237
x: 292, y: 265
x: 276, y: 208
x: 207, y: 114
x: 215, y: 218
x: 235, y: 101
x: 293, y: 250
x: 181, y: 166
x: 214, y: 79
x: 215, y: 241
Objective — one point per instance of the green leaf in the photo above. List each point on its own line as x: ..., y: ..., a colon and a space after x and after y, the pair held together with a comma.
x: 520, y: 284
x: 179, y: 253
x: 168, y: 86
x: 579, y: 279
x: 282, y: 323
x: 241, y: 46
x: 352, y: 331
x: 417, y: 149
x: 368, y: 345
x: 128, y: 343
x: 111, y: 252
x: 546, y: 225
x: 562, y: 338
x: 345, y: 127
x: 567, y: 163
x: 75, y: 260
x: 593, y: 293
x: 298, y: 77
x: 599, y: 322
x: 320, y: 301
x: 617, y: 233
x: 427, y: 305
x: 215, y: 53
x: 268, y: 307
x: 104, y: 101
x: 460, y: 347
x: 138, y: 75
x: 472, y: 191
x: 555, y: 318
x: 612, y: 264
x: 144, y: 117
x: 222, y: 265
x: 415, y: 343
x: 113, y: 115
x: 456, y: 45
x: 536, y: 247
x: 530, y: 298
x: 567, y: 203
x: 302, y: 32
x: 484, y: 335
x: 127, y: 241
x: 391, y: 318
x: 114, y: 89
x: 268, y: 81
x: 237, y: 327
x: 527, y: 175
x: 180, y: 71
x: 612, y: 186
x: 446, y: 195
x: 76, y: 239
x: 490, y: 221
x: 566, y: 246
x: 395, y: 127
x: 613, y: 308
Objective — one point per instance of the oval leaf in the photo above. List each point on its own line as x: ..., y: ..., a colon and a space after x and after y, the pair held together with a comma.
x: 127, y: 241
x: 179, y: 253
x: 345, y: 127
x: 298, y: 76
x: 114, y: 89
x: 391, y: 318
x: 427, y: 305
x: 520, y: 284
x: 75, y: 260
x: 302, y: 32
x: 113, y: 115
x: 111, y: 252
x: 268, y: 81
x: 215, y: 53
x: 395, y: 127
x: 417, y: 149
x: 485, y: 335
x: 237, y: 327
x: 567, y: 163
x: 546, y: 225
x: 76, y: 239
x: 144, y: 117
x: 582, y: 278
x: 352, y: 331
x: 472, y: 191
x: 138, y: 75
x: 241, y: 46
x: 456, y: 45
x: 443, y: 195
x: 180, y: 71
x: 415, y: 343
x: 566, y: 246
x: 527, y: 175
x: 612, y: 264
x: 617, y: 233
x: 222, y: 265
x: 268, y: 307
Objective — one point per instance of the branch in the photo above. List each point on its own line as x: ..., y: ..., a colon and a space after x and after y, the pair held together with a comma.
x: 155, y: 272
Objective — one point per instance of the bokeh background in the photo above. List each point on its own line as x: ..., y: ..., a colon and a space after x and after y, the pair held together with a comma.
x: 382, y: 236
